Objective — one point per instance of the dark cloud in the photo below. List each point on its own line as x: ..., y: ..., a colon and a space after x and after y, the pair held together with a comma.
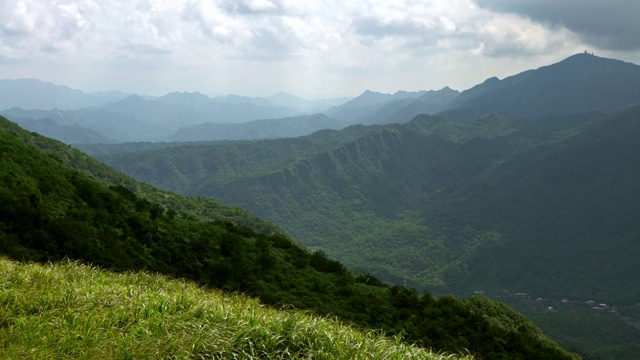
x: 610, y: 24
x: 410, y: 34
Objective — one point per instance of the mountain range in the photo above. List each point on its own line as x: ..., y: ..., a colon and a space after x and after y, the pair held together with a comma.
x: 500, y: 184
x: 508, y: 190
x: 78, y: 118
x: 580, y: 83
x: 542, y: 207
x: 523, y: 185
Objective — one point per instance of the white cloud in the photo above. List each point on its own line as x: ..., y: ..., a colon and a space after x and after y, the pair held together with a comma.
x: 250, y: 46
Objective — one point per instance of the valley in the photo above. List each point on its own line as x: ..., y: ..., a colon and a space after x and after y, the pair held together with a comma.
x: 520, y: 190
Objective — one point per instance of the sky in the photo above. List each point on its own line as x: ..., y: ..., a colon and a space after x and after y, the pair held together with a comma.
x: 314, y: 49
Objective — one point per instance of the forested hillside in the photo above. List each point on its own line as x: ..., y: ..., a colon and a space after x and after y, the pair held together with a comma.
x: 50, y: 211
x: 545, y: 207
x: 455, y: 198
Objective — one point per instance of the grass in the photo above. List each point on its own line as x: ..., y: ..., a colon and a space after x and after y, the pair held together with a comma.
x: 73, y: 311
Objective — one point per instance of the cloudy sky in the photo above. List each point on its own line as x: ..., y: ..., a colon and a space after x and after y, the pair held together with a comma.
x: 312, y: 48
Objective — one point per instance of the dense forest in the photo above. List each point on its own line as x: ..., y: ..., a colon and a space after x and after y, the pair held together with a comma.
x: 456, y: 197
x: 540, y: 206
x: 55, y: 205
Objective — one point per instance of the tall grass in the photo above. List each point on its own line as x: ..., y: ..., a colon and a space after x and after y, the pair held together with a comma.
x: 72, y: 311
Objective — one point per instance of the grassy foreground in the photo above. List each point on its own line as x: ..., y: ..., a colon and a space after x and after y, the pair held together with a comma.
x: 72, y: 311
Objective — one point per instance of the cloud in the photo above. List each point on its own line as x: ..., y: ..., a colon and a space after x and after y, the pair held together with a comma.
x: 610, y: 25
x: 252, y: 7
x: 334, y: 44
x: 428, y: 26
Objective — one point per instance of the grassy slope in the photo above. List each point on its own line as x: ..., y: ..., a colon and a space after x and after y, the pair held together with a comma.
x: 70, y: 311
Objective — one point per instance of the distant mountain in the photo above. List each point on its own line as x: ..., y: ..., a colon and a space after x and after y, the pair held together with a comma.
x: 378, y: 108
x: 238, y: 99
x: 110, y: 126
x: 194, y: 100
x: 70, y: 134
x: 305, y: 105
x: 403, y: 109
x: 258, y: 129
x: 580, y: 83
x: 176, y: 110
x: 36, y: 94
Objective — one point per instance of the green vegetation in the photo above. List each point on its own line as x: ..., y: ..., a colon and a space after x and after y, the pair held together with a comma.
x: 546, y: 206
x: 49, y: 212
x: 70, y: 311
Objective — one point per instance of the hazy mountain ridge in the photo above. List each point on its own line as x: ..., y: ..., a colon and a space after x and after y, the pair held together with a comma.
x: 305, y: 105
x: 258, y: 129
x: 120, y: 117
x: 64, y: 133
x: 378, y: 108
x: 34, y: 94
x: 580, y: 83
x: 112, y: 126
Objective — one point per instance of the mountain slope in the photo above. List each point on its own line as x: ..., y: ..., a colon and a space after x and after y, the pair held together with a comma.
x: 50, y: 211
x: 180, y: 109
x: 580, y: 83
x: 258, y: 129
x: 65, y: 133
x: 112, y: 126
x: 36, y: 94
x: 449, y: 186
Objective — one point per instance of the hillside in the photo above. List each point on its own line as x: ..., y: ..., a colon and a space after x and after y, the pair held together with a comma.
x: 503, y: 183
x: 580, y: 83
x: 36, y: 94
x: 544, y: 207
x: 51, y: 211
x: 112, y: 127
x: 257, y: 129
x: 137, y: 315
x: 378, y: 108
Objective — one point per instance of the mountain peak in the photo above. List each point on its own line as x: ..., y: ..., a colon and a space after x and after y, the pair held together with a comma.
x: 580, y: 83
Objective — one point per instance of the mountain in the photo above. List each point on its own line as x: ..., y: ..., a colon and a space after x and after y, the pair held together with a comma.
x: 258, y: 129
x: 65, y: 133
x: 403, y: 109
x: 305, y: 105
x: 177, y: 110
x: 238, y: 99
x: 402, y: 171
x: 184, y: 99
x: 88, y: 125
x: 52, y: 211
x: 378, y: 108
x: 544, y: 207
x: 36, y: 94
x: 580, y: 83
